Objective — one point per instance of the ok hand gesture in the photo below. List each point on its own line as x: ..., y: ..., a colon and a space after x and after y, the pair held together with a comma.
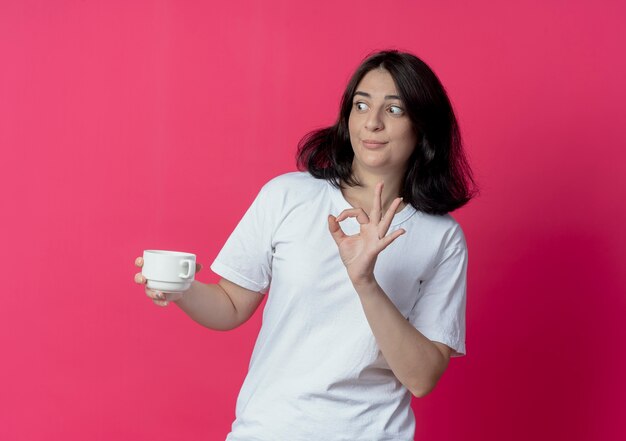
x: 359, y: 252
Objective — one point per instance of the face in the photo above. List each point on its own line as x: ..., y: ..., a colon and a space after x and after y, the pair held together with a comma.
x: 381, y: 132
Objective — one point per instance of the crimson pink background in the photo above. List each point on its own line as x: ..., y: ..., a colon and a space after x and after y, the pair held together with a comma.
x: 127, y: 125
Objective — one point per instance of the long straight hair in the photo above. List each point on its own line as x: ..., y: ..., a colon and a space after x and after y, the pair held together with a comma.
x: 438, y: 177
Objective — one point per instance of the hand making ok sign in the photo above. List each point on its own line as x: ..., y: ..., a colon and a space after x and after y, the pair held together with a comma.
x: 359, y: 252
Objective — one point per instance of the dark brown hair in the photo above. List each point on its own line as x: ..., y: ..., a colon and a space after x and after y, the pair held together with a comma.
x: 438, y: 177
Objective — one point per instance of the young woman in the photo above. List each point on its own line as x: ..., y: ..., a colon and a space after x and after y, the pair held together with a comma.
x: 367, y: 269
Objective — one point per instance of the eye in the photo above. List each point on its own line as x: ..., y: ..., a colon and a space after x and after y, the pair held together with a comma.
x: 396, y: 110
x: 360, y: 106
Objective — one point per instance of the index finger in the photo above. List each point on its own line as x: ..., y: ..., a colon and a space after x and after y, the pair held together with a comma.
x: 139, y: 262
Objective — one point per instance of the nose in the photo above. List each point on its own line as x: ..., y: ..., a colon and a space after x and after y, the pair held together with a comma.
x: 374, y: 122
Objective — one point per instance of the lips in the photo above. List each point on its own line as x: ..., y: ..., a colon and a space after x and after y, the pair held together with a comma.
x: 372, y: 144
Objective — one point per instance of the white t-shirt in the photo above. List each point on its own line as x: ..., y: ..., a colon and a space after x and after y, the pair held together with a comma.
x: 316, y: 372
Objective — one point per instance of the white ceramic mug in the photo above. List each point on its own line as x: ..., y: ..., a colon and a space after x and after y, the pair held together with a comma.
x: 168, y: 271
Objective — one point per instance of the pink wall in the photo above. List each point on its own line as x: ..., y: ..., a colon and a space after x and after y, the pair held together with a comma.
x: 127, y: 125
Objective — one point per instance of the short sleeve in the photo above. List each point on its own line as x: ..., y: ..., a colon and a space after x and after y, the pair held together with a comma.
x: 439, y: 312
x: 246, y: 257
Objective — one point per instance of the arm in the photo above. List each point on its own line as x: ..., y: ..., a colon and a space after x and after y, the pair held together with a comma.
x: 226, y: 305
x: 222, y: 306
x: 416, y: 361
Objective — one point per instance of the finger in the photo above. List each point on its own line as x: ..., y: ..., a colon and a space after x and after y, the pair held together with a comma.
x: 139, y: 262
x: 161, y: 302
x: 139, y: 278
x: 386, y: 220
x: 198, y: 267
x: 386, y: 241
x: 155, y: 295
x: 358, y: 213
x: 335, y: 229
x: 376, y: 206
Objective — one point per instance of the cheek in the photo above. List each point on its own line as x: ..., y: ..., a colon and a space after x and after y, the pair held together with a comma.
x: 409, y: 139
x: 351, y: 125
x: 353, y: 129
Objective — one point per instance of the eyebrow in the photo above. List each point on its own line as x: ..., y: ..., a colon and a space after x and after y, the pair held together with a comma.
x: 387, y: 97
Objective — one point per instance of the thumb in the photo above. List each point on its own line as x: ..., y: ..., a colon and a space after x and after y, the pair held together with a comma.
x: 335, y: 229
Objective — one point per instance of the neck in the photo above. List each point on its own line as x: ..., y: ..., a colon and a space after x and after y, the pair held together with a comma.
x: 363, y: 196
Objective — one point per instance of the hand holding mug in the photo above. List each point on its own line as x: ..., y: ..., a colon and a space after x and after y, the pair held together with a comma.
x: 166, y: 274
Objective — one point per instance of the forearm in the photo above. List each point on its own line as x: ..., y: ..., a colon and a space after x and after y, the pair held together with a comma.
x: 413, y: 358
x: 210, y: 306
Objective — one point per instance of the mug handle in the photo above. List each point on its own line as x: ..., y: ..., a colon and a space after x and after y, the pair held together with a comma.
x: 189, y: 267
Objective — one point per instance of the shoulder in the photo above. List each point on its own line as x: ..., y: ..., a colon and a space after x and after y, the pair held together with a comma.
x: 287, y: 194
x: 288, y: 180
x: 444, y: 229
x: 293, y: 184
